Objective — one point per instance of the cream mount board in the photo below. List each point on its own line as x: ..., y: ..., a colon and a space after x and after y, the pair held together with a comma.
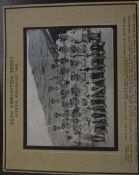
x: 71, y: 88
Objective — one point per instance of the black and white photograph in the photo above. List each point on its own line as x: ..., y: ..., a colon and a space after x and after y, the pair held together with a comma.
x: 70, y: 87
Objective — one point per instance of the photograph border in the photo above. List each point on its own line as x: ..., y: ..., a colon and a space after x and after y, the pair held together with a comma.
x: 115, y: 147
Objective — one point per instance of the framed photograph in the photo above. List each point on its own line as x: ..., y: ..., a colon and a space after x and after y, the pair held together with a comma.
x: 72, y: 91
x: 71, y: 88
